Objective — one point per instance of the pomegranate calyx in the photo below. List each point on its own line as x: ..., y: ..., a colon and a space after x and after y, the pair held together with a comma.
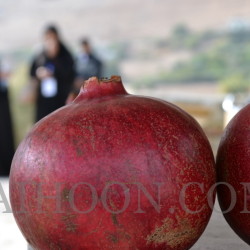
x: 96, y: 88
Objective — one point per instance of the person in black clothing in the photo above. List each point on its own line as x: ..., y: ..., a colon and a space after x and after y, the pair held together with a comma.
x: 53, y: 74
x: 6, y: 135
x: 87, y: 65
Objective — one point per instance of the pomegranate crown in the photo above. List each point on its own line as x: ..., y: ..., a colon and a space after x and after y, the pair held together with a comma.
x: 94, y: 87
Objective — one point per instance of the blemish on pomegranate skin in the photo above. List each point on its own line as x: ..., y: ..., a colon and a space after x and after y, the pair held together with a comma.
x: 53, y: 246
x: 65, y: 194
x: 113, y: 238
x: 114, y: 219
x: 68, y: 221
x: 92, y: 139
x: 78, y: 148
x: 172, y: 235
x: 79, y: 152
x: 71, y: 228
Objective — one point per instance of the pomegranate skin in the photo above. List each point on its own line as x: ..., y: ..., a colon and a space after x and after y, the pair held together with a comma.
x: 113, y: 171
x: 233, y: 169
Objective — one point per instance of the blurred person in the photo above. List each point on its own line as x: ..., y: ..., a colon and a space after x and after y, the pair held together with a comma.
x: 52, y: 74
x: 87, y: 65
x: 6, y: 133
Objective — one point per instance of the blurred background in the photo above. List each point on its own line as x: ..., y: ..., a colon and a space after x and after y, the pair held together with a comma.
x: 193, y: 53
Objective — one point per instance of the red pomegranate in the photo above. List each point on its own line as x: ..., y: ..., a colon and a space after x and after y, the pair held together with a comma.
x: 113, y: 171
x: 233, y: 165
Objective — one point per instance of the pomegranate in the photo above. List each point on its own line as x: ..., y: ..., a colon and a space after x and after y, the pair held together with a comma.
x: 113, y: 171
x: 233, y: 165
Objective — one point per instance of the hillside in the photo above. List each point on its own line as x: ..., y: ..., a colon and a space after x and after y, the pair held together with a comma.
x: 105, y: 20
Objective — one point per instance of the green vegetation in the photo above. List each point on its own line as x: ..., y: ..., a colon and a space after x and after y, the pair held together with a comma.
x: 184, y: 38
x: 222, y: 57
x: 235, y: 84
x: 22, y: 114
